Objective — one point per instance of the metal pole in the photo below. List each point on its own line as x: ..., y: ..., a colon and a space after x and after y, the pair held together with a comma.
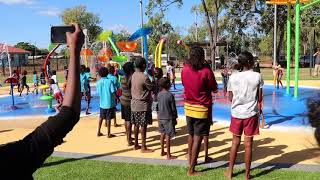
x: 288, y: 50
x: 275, y: 44
x: 297, y: 49
x: 141, y: 14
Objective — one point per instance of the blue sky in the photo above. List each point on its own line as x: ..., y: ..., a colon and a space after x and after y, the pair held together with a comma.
x: 30, y: 20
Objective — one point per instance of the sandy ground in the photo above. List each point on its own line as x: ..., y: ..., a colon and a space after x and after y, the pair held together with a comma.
x: 296, y: 146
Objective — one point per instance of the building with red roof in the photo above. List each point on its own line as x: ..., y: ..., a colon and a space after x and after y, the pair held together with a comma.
x: 18, y: 56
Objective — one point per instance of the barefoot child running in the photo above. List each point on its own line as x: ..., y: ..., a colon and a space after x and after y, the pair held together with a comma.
x: 57, y: 93
x: 243, y: 88
x: 106, y: 92
x: 141, y: 114
x: 167, y: 116
x: 23, y: 82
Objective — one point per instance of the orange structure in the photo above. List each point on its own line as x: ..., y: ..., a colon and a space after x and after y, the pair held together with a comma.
x: 127, y: 46
x: 104, y: 55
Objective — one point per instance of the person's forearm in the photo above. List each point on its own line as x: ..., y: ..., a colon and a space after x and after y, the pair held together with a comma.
x: 72, y: 96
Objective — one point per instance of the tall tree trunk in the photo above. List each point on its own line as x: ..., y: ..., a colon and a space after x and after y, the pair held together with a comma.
x: 281, y: 41
x: 212, y: 44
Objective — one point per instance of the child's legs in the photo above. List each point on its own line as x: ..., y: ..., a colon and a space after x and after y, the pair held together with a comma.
x: 248, y: 154
x: 233, y: 154
x: 162, y: 137
x: 206, y: 146
x: 136, y: 136
x: 103, y: 115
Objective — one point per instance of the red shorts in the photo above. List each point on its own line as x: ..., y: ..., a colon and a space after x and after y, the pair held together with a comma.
x: 58, y: 96
x: 249, y: 127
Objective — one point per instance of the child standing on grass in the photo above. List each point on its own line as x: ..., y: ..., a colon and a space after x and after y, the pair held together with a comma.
x: 116, y: 84
x: 167, y: 116
x: 35, y: 82
x: 243, y: 88
x: 23, y: 82
x: 125, y: 99
x: 141, y: 114
x: 84, y: 80
x: 106, y: 92
x: 56, y: 92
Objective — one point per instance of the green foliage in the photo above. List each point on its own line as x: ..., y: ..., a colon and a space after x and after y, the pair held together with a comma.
x: 123, y: 35
x: 202, y: 34
x: 28, y: 47
x: 156, y: 6
x: 87, y: 20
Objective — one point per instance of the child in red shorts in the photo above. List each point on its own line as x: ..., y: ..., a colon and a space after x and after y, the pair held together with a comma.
x: 245, y: 91
x: 56, y: 92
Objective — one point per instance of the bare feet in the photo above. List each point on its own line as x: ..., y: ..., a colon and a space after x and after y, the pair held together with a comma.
x: 163, y: 153
x: 130, y: 143
x: 136, y: 147
x: 208, y: 159
x: 87, y: 113
x: 111, y: 135
x: 147, y: 151
x: 117, y: 125
x: 193, y: 173
x: 171, y: 157
x: 99, y: 134
x: 228, y: 173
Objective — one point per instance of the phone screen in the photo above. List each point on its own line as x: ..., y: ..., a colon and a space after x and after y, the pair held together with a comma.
x: 58, y: 33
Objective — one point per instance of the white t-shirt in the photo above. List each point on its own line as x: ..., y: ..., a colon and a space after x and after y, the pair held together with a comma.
x: 54, y: 77
x: 244, y: 86
x: 169, y: 70
x: 55, y: 88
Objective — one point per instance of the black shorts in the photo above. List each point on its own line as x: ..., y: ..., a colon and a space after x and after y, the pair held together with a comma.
x: 126, y: 112
x: 107, y: 114
x: 141, y: 118
x: 198, y: 127
x: 167, y: 127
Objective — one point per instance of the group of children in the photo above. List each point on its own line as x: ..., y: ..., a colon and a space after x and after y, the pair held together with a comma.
x: 140, y: 95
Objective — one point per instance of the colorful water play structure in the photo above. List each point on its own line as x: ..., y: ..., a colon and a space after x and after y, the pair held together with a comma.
x: 298, y: 9
x: 142, y: 33
x: 158, y: 53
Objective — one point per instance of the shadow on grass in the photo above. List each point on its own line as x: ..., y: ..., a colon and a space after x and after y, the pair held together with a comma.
x: 6, y: 130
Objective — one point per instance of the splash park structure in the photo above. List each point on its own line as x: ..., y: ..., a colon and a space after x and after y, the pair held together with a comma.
x: 299, y: 7
x: 276, y: 111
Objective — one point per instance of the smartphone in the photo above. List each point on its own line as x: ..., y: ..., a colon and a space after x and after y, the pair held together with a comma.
x: 58, y: 34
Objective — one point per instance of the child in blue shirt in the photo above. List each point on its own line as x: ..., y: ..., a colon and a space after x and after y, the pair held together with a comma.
x: 116, y: 84
x: 84, y: 80
x: 106, y: 91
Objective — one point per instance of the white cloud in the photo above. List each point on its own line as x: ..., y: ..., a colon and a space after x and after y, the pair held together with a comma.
x: 118, y: 27
x: 17, y: 2
x: 50, y: 11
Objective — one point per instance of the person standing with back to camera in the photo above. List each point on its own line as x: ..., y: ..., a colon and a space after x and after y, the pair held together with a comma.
x: 199, y: 83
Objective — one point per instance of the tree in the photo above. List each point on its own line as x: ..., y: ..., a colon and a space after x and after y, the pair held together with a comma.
x: 211, y: 34
x: 87, y: 20
x: 155, y: 6
x: 123, y: 35
x: 28, y: 47
x: 191, y: 36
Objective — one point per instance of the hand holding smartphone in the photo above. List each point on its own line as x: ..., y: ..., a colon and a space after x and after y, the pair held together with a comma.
x: 58, y: 34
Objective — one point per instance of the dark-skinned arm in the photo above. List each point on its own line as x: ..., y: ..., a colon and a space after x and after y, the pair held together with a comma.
x: 20, y: 159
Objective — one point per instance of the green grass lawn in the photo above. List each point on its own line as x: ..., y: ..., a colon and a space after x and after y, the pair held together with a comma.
x: 91, y: 169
